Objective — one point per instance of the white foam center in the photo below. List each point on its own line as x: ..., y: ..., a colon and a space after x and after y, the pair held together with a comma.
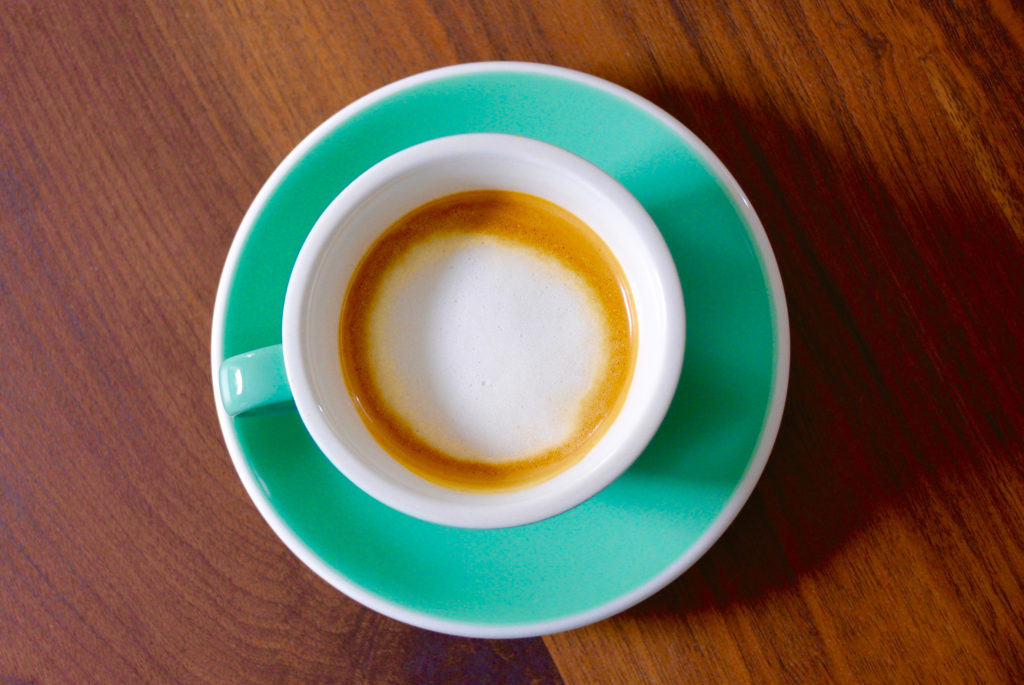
x: 486, y: 347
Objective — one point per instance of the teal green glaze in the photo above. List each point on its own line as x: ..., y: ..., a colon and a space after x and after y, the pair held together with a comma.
x: 255, y: 384
x: 649, y: 517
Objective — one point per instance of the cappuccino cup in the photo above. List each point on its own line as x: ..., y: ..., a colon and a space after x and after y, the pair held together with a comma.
x: 481, y: 331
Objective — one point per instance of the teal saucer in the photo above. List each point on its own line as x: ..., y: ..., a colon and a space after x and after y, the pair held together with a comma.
x: 652, y: 523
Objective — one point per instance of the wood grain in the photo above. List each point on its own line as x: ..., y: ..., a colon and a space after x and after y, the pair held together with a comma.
x: 883, y: 147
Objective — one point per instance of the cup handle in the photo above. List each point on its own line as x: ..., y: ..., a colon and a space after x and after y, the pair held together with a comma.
x: 254, y: 383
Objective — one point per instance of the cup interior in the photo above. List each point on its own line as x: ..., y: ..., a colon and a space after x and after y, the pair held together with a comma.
x: 407, y: 180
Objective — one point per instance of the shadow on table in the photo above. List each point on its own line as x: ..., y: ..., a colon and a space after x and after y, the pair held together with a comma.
x: 847, y: 449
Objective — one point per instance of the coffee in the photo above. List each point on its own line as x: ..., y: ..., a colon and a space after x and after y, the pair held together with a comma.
x: 488, y: 340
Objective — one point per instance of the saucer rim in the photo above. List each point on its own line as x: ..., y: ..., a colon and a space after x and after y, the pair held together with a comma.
x: 741, y: 492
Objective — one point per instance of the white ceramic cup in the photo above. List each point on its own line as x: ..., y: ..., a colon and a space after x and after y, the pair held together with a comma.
x: 376, y: 200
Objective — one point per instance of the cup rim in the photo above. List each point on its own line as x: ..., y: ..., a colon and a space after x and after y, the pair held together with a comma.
x: 484, y: 510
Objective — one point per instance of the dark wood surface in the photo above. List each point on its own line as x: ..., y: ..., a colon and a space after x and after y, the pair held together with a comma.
x: 883, y: 146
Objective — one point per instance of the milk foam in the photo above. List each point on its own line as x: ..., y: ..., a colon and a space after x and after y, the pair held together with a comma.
x: 486, y: 347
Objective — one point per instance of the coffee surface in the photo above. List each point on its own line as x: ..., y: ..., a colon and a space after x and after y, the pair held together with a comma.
x: 487, y: 340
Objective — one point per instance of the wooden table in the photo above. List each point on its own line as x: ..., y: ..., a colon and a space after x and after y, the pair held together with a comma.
x: 882, y: 145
